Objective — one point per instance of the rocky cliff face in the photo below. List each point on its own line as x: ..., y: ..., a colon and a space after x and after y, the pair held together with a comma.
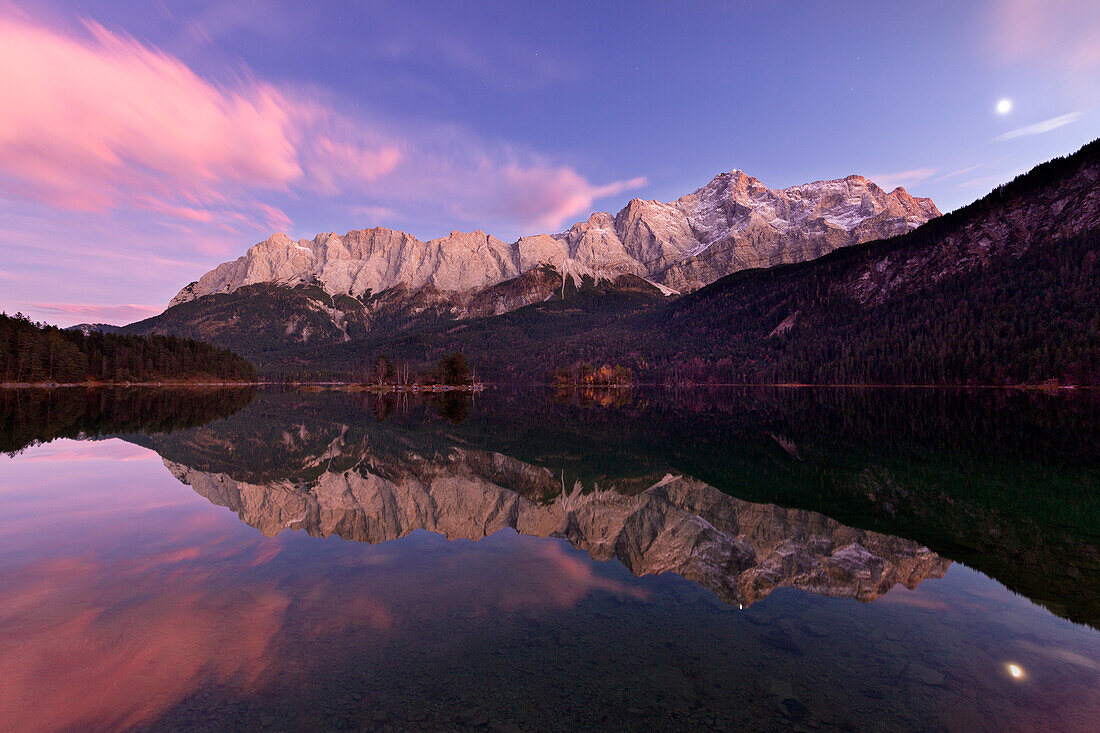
x: 739, y: 550
x: 733, y: 223
x: 742, y: 224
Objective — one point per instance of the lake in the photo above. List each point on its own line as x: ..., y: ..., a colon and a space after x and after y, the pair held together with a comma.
x: 772, y: 559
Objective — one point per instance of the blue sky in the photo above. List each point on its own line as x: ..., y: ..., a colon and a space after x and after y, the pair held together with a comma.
x: 157, y: 139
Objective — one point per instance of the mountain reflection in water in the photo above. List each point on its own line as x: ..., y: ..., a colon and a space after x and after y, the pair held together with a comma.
x: 739, y: 550
x: 615, y: 536
x: 1001, y: 481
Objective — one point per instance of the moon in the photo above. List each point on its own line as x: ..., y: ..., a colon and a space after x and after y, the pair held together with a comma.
x: 1004, y: 106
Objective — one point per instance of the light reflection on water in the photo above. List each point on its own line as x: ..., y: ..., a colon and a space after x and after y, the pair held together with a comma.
x: 126, y: 601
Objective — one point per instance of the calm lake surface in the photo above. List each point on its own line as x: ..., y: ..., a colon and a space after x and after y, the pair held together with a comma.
x: 526, y: 560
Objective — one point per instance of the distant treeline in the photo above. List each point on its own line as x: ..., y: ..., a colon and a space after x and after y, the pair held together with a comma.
x: 37, y: 353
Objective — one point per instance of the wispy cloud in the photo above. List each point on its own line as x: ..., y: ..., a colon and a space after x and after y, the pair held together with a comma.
x: 91, y: 313
x: 959, y: 172
x: 1039, y: 127
x: 890, y: 181
x: 545, y: 196
x: 108, y: 123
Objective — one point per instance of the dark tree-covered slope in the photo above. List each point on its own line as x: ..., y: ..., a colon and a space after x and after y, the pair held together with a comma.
x: 276, y: 324
x: 38, y: 353
x: 263, y: 318
x: 1003, y: 291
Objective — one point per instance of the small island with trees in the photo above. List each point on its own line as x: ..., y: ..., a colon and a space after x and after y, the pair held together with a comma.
x: 452, y: 373
x: 586, y: 375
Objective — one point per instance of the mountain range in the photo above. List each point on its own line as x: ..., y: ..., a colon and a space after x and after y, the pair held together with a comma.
x: 829, y: 282
x: 733, y: 223
x: 371, y: 282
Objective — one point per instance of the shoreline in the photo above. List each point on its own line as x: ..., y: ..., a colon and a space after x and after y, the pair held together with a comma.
x: 116, y: 385
x: 360, y: 387
x: 389, y: 388
x: 341, y: 386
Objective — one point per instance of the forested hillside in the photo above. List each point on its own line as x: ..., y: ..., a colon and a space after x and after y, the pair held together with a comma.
x: 37, y: 353
x: 1003, y: 291
x: 1022, y: 320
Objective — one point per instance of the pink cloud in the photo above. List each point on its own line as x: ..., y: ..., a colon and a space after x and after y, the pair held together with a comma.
x: 93, y: 313
x: 274, y: 218
x: 1061, y: 33
x: 189, y: 213
x: 101, y: 115
x: 499, y: 186
x: 107, y: 122
x: 548, y: 197
x: 890, y: 181
x: 370, y: 213
x: 335, y: 162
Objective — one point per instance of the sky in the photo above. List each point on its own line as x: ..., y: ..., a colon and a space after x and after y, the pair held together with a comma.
x: 144, y: 142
